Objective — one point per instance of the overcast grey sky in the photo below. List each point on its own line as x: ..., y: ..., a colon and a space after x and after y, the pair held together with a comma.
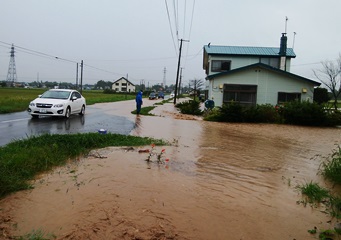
x: 138, y: 38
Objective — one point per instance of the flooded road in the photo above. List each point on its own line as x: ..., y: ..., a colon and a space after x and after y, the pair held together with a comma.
x: 218, y: 181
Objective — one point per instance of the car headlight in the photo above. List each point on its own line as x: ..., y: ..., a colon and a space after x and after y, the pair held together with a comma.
x: 58, y: 105
x: 32, y: 104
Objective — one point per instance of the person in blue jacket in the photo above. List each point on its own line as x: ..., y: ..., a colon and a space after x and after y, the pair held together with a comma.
x: 139, y: 102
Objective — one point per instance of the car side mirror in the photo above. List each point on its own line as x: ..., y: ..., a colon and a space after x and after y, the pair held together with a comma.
x: 74, y: 98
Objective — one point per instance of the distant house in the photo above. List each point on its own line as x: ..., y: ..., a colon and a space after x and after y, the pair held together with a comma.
x: 123, y: 85
x: 254, y: 75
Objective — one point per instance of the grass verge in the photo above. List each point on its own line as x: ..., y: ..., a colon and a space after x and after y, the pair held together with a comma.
x: 145, y: 111
x: 21, y: 161
x: 331, y: 168
x: 17, y: 99
x: 37, y: 235
x: 317, y: 196
x: 314, y: 192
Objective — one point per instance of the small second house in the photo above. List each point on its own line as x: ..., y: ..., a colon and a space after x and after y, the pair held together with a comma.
x: 254, y: 75
x: 123, y: 85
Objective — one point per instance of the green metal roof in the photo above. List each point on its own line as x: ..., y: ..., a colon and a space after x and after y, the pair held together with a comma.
x: 246, y: 51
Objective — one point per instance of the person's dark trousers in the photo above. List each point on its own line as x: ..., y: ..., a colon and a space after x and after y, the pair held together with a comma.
x: 138, y: 108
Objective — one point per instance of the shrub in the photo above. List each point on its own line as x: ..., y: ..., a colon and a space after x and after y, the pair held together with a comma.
x: 232, y: 112
x: 333, y: 119
x: 304, y: 113
x: 109, y: 91
x: 189, y: 107
x: 321, y: 95
x: 265, y: 113
x: 213, y: 115
x: 297, y: 113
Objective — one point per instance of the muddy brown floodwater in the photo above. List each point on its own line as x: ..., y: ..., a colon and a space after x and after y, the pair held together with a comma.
x: 218, y: 181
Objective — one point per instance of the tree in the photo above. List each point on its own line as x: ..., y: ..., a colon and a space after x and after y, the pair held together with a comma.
x: 330, y: 76
x: 197, y: 85
x: 3, y: 84
x: 321, y: 95
x: 101, y: 84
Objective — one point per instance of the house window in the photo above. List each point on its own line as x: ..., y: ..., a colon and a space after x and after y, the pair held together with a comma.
x: 284, y: 97
x: 117, y: 84
x: 220, y: 66
x: 243, y: 94
x: 124, y: 84
x: 124, y: 89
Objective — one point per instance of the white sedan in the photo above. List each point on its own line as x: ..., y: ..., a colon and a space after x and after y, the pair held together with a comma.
x: 57, y: 102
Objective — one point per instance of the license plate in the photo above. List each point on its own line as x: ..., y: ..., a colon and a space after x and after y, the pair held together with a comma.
x: 42, y: 110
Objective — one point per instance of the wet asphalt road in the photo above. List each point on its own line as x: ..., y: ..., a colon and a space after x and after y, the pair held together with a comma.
x: 19, y: 125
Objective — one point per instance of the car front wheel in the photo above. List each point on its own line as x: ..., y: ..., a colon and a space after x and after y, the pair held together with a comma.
x: 68, y: 112
x: 82, y: 112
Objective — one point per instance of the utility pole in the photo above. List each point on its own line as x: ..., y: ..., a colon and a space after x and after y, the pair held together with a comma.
x: 180, y: 81
x: 77, y: 76
x: 126, y: 86
x: 177, y: 73
x: 81, y: 90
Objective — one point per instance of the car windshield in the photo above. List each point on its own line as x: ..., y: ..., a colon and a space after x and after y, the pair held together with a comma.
x: 56, y: 94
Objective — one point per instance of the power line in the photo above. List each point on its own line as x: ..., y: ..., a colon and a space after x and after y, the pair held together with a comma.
x: 37, y: 53
x: 171, y: 30
x: 190, y: 28
x: 305, y: 64
x: 185, y: 8
x: 189, y: 35
x: 132, y: 60
x: 175, y: 6
x: 103, y: 70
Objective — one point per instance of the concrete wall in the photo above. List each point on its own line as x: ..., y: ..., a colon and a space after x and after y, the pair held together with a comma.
x: 118, y: 85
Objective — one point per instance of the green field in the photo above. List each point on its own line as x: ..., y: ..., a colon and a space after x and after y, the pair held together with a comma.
x: 17, y: 99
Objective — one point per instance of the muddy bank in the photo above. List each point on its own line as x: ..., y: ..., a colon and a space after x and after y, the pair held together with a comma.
x: 217, y: 181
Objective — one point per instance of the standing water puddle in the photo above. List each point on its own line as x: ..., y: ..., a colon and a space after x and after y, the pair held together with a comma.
x: 220, y: 181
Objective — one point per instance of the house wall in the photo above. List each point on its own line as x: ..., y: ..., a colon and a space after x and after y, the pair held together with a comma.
x: 238, y: 62
x: 119, y: 84
x: 268, y: 86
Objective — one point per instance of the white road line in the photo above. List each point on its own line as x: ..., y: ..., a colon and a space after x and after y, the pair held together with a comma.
x: 15, y: 120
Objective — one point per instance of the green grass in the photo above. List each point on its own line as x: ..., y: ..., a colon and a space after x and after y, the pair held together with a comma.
x: 97, y: 96
x: 37, y: 235
x: 314, y: 192
x: 315, y: 195
x: 21, y: 160
x: 331, y: 168
x: 17, y: 99
x: 145, y: 111
x: 330, y: 104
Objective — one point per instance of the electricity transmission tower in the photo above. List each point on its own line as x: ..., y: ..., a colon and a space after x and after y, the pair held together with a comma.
x: 12, y: 71
x: 164, y: 77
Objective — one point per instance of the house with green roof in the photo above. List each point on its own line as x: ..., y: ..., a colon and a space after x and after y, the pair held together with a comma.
x: 254, y: 75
